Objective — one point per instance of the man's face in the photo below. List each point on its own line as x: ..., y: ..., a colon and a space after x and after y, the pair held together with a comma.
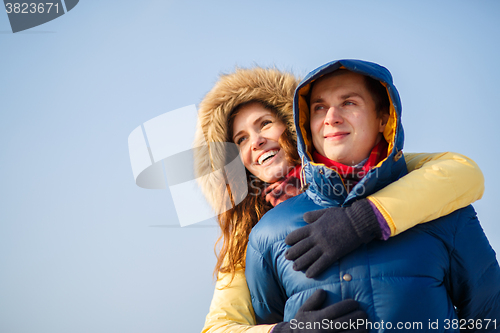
x: 344, y: 123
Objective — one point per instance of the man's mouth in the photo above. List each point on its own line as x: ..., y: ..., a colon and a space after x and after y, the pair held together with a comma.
x: 267, y: 156
x: 336, y: 136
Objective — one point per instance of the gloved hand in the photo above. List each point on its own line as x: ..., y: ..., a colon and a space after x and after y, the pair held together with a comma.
x: 346, y: 311
x: 331, y: 234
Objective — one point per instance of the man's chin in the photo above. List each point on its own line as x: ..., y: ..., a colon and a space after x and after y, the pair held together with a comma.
x: 332, y: 155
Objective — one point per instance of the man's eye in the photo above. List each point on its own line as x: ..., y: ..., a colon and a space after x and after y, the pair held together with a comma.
x: 348, y: 103
x: 319, y: 108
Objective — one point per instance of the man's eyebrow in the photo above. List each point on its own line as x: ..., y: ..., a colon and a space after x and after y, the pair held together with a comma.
x: 345, y: 96
x: 317, y: 100
x: 351, y: 94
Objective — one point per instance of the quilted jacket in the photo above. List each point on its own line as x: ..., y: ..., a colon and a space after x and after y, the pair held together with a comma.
x: 441, y: 271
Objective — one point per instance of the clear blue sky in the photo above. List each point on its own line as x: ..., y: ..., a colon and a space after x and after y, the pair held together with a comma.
x: 77, y: 250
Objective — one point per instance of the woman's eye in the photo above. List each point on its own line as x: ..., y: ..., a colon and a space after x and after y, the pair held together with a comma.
x: 266, y: 122
x: 240, y: 140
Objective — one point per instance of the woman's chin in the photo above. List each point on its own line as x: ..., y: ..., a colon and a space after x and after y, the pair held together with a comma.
x: 274, y: 174
x: 275, y: 170
x: 271, y: 180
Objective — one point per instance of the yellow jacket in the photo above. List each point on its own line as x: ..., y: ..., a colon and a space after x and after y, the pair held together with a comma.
x: 437, y: 185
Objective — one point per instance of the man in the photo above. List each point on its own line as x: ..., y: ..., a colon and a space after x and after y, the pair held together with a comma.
x: 436, y: 277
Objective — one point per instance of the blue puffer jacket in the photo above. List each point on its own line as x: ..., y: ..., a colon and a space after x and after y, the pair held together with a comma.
x: 413, y: 281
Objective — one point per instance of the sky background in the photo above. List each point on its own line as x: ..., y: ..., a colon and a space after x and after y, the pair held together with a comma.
x: 82, y: 247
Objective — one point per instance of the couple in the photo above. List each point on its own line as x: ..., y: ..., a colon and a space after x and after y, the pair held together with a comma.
x: 344, y: 264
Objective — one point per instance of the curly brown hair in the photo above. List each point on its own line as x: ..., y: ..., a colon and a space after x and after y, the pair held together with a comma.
x: 237, y: 223
x: 274, y: 89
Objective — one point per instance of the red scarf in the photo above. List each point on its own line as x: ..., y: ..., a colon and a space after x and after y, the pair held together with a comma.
x: 352, y: 174
x: 285, y: 188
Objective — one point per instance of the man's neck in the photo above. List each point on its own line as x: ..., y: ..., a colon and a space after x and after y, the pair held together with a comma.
x: 353, y: 174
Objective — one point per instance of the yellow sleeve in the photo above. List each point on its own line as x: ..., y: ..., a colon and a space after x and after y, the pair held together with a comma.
x: 436, y: 185
x: 231, y: 308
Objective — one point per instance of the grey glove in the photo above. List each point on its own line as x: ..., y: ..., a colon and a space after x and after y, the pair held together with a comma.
x: 331, y: 234
x: 338, y: 317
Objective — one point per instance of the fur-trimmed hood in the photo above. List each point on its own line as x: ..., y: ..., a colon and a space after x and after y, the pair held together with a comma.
x: 270, y: 86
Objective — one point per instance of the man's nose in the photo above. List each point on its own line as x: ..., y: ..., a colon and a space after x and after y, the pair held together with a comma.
x: 333, y: 116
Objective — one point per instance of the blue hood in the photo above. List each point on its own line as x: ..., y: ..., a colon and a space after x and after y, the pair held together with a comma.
x: 324, y: 185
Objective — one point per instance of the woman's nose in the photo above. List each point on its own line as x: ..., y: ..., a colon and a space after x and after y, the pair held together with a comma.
x: 257, y: 141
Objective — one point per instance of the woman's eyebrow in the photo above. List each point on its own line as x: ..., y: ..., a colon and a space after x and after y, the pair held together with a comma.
x: 236, y: 135
x: 254, y: 122
x: 259, y: 119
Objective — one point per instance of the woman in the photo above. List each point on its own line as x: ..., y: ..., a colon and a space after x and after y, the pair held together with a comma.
x: 250, y: 108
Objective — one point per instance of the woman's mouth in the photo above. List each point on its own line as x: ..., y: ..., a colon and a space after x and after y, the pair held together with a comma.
x: 267, y: 156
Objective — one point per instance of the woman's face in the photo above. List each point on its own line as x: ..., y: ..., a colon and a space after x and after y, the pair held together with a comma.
x: 256, y: 133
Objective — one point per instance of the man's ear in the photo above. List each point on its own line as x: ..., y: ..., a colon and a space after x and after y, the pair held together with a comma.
x: 383, y: 121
